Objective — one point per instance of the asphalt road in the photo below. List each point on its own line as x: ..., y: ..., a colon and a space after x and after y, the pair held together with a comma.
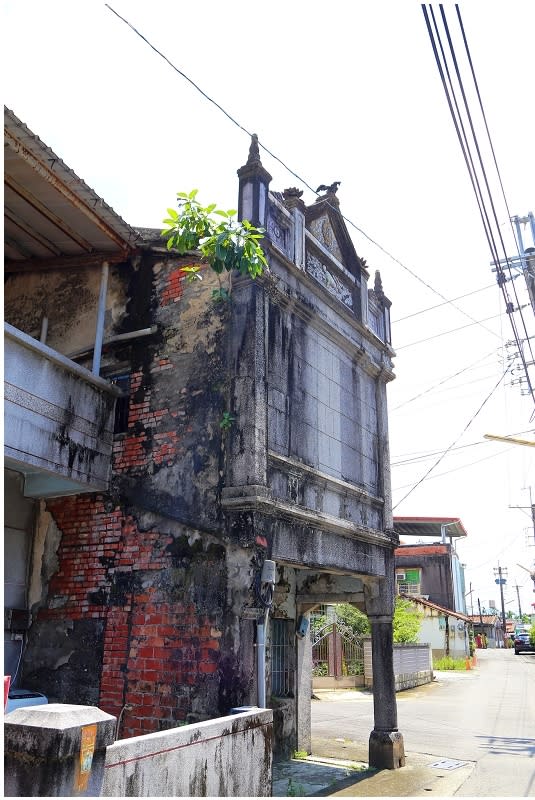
x: 486, y: 716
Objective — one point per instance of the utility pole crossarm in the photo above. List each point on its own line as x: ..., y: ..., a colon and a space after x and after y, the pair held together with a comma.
x: 510, y: 439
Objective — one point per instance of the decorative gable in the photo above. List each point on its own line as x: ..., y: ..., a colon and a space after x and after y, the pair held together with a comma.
x: 322, y: 230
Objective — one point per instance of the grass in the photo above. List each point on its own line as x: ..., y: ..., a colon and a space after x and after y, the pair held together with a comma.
x: 300, y: 754
x: 449, y: 663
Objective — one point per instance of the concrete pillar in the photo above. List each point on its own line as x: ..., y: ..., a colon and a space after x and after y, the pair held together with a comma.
x: 386, y: 750
x: 304, y: 691
x: 56, y: 750
x: 296, y: 206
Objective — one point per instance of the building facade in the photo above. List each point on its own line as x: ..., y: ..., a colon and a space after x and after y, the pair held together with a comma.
x: 431, y: 571
x: 220, y: 436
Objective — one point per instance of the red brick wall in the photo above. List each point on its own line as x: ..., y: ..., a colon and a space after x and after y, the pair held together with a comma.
x: 154, y: 649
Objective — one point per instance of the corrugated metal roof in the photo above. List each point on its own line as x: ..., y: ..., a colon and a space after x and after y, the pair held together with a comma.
x: 50, y: 214
x: 435, y: 606
x: 428, y: 526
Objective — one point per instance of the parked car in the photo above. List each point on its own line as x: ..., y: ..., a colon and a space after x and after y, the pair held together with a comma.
x: 523, y: 644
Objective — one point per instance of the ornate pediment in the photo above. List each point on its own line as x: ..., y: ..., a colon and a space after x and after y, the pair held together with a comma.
x: 322, y: 230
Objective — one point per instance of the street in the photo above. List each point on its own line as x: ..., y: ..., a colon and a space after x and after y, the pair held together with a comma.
x: 486, y: 716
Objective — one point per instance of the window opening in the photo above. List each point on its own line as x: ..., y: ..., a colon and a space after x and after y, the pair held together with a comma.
x: 122, y: 404
x: 282, y: 658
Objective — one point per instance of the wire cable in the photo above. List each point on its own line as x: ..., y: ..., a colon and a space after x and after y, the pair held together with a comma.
x: 445, y: 333
x: 444, y: 454
x: 462, y: 466
x: 444, y: 380
x: 439, y: 305
x: 463, y: 140
x: 296, y: 175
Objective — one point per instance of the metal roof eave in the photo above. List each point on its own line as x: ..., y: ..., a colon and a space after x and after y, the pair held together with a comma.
x: 429, y: 526
x: 80, y: 203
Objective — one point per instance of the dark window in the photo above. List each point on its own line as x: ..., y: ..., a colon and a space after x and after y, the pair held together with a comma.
x: 282, y: 658
x: 123, y: 402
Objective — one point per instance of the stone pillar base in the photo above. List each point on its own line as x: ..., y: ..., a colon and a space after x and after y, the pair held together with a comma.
x: 386, y: 750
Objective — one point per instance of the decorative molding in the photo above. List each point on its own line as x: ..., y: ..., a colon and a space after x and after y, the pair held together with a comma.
x: 324, y: 276
x: 297, y: 468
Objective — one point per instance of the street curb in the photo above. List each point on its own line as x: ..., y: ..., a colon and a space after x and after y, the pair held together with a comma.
x: 416, y: 779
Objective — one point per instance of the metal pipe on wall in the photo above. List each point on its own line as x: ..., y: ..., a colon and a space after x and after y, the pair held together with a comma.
x: 44, y: 330
x: 101, y: 313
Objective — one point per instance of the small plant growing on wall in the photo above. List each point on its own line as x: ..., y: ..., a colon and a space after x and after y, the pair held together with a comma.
x: 226, y: 421
x: 226, y: 244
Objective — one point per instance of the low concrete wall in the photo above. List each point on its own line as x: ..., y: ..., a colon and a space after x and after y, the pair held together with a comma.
x: 413, y: 665
x: 225, y: 757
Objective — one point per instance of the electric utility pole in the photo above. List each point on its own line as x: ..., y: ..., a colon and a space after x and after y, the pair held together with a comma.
x: 517, y: 587
x: 500, y: 577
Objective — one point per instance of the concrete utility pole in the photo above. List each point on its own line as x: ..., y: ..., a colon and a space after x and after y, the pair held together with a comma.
x: 501, y: 573
x: 517, y: 587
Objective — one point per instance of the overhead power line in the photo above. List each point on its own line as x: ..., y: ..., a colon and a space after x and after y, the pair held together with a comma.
x: 445, y: 333
x: 444, y: 380
x: 439, y: 305
x: 447, y: 450
x: 469, y: 142
x: 295, y: 174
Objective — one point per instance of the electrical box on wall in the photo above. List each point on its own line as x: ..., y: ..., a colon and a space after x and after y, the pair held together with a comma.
x: 17, y: 619
x: 301, y: 627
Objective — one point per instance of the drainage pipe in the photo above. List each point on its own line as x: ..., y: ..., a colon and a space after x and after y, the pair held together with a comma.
x: 261, y: 630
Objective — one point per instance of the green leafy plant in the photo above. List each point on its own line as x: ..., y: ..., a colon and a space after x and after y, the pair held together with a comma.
x: 449, y: 663
x: 407, y: 621
x: 226, y: 421
x: 226, y: 244
x: 532, y: 635
x: 300, y: 754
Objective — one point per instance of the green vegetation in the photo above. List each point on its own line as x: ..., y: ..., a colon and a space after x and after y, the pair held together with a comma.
x: 226, y: 244
x: 300, y: 754
x: 449, y: 663
x: 532, y: 635
x: 407, y: 621
x: 226, y: 421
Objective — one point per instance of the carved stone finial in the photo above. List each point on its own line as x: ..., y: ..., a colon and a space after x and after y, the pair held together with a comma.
x: 254, y: 151
x: 293, y: 191
x: 292, y: 199
x: 378, y: 284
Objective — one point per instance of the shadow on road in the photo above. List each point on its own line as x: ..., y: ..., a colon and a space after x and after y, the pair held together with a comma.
x: 507, y: 745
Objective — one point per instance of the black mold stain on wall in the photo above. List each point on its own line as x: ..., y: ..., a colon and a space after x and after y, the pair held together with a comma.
x: 64, y: 660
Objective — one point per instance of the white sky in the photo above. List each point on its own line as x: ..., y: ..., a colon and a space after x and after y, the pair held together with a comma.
x: 338, y: 91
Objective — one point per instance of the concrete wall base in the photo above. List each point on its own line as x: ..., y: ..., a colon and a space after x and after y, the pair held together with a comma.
x: 386, y: 750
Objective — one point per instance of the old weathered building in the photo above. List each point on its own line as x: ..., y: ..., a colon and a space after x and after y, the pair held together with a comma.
x: 431, y: 570
x: 184, y: 442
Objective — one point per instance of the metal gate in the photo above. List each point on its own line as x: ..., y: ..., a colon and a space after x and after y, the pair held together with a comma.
x: 336, y: 651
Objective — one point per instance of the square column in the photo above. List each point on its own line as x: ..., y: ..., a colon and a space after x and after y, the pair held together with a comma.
x: 386, y: 750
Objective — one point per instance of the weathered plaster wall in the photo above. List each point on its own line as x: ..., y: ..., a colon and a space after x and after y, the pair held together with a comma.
x: 226, y: 757
x: 69, y: 299
x: 145, y: 609
x: 170, y: 459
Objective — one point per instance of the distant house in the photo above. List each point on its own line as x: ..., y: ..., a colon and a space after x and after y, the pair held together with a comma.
x: 445, y: 630
x: 163, y: 450
x: 430, y: 571
x: 490, y: 626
